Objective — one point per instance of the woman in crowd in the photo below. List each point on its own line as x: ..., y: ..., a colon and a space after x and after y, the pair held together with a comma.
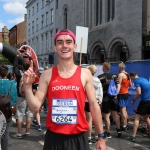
x: 5, y: 85
x: 99, y: 97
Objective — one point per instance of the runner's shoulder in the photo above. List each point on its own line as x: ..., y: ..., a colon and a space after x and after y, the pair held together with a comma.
x: 121, y: 74
x: 85, y: 71
x: 86, y: 74
x: 46, y: 75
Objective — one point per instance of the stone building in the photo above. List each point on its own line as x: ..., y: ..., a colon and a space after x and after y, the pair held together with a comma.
x: 116, y: 27
x: 4, y: 35
x: 17, y: 36
x: 146, y: 30
x: 41, y: 30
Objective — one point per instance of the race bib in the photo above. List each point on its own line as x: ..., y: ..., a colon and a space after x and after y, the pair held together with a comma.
x: 64, y: 111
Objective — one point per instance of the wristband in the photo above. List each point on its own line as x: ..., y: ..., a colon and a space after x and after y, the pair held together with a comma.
x: 102, y: 135
x: 133, y: 100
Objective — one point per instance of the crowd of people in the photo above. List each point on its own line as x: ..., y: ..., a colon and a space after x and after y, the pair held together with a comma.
x: 76, y: 99
x: 18, y: 107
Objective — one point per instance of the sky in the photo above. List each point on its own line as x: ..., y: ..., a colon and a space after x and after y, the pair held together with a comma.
x: 11, y: 12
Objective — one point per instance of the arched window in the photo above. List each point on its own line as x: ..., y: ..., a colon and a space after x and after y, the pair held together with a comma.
x: 56, y: 4
x: 113, y: 9
x: 98, y: 12
x: 65, y: 17
x: 110, y: 10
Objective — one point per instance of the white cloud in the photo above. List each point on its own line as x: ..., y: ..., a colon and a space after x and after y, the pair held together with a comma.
x: 16, y: 20
x: 1, y: 26
x: 13, y: 1
x: 14, y: 8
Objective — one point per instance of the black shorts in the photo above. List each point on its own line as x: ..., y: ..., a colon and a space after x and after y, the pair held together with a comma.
x: 87, y: 107
x: 55, y: 141
x: 109, y: 104
x: 123, y: 100
x: 143, y: 107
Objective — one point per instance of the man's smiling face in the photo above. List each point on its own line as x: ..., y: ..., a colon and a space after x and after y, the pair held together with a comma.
x: 65, y: 46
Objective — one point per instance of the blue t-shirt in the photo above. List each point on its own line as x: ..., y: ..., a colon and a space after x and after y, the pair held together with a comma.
x: 145, y: 87
x: 4, y: 88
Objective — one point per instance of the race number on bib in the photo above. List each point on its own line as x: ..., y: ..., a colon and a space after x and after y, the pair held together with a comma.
x: 64, y: 111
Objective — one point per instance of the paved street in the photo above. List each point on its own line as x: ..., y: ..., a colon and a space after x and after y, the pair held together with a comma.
x: 35, y: 140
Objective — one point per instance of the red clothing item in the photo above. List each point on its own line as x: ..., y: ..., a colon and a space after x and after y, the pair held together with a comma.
x: 124, y: 85
x: 36, y: 81
x: 66, y: 101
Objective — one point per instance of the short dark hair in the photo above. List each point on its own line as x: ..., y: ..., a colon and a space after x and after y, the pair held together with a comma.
x: 133, y: 74
x: 3, y: 71
x: 10, y: 75
x: 107, y: 65
x: 25, y: 65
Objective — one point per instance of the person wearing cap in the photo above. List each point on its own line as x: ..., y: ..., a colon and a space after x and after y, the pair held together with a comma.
x: 36, y: 120
x: 67, y: 86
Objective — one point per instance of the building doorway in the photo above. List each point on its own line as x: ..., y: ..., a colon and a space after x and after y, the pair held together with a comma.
x: 123, y: 56
x: 119, y: 53
x: 97, y: 56
x: 146, y: 54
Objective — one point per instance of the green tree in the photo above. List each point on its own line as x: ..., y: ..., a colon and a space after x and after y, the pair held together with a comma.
x: 6, y: 41
x: 4, y: 60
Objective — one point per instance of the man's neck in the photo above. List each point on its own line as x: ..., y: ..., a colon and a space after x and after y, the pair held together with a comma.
x: 65, y: 65
x: 136, y: 77
x: 106, y: 72
x: 120, y: 71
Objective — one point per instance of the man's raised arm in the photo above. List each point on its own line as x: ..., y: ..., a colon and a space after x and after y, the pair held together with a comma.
x: 34, y: 101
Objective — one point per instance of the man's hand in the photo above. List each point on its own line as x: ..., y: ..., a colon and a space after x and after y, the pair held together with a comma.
x: 28, y: 54
x: 17, y: 52
x: 29, y: 75
x: 100, y: 145
x: 132, y: 102
x: 115, y: 97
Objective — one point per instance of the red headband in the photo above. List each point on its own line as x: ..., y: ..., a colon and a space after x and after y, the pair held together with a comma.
x: 65, y: 32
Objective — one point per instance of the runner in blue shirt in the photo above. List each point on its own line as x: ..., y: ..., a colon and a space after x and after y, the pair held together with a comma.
x: 143, y: 90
